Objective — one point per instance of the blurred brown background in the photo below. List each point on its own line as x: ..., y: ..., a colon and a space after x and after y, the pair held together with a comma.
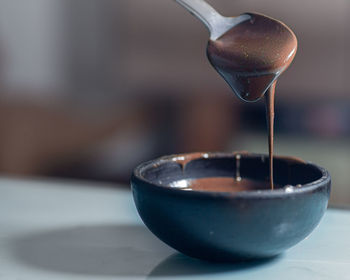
x: 90, y: 88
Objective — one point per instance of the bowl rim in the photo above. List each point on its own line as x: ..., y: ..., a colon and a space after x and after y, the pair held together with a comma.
x: 323, y: 181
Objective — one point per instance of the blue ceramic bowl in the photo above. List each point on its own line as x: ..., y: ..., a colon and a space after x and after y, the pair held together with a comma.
x: 222, y: 226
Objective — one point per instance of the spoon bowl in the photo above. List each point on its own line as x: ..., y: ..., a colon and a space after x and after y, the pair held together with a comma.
x: 225, y: 226
x: 253, y: 54
x: 249, y: 51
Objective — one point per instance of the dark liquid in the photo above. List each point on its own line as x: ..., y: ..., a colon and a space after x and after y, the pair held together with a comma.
x: 270, y: 116
x: 250, y: 57
x: 220, y: 184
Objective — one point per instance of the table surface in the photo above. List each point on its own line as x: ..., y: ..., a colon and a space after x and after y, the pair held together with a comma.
x: 80, y: 230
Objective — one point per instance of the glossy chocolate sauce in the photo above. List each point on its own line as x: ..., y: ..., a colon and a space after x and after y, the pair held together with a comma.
x: 225, y: 184
x: 250, y: 57
x: 219, y: 184
x: 216, y: 184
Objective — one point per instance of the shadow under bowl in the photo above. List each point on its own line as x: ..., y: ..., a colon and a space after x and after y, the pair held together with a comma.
x: 230, y: 226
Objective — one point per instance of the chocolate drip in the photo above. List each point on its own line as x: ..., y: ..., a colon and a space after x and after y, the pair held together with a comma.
x: 270, y: 117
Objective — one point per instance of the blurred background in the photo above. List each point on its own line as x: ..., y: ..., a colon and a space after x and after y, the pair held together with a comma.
x: 91, y: 88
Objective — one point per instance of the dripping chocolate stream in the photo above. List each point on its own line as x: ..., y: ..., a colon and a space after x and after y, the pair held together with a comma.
x: 270, y: 117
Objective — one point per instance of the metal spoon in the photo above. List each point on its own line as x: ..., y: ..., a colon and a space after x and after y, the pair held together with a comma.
x: 216, y: 23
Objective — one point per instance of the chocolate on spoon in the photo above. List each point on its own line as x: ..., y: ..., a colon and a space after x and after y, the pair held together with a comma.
x: 249, y: 51
x: 252, y: 54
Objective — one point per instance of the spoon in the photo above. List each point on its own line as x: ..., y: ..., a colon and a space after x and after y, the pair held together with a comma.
x: 249, y: 51
x: 215, y: 22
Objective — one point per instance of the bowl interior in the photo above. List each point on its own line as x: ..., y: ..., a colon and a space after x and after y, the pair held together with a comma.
x: 287, y: 170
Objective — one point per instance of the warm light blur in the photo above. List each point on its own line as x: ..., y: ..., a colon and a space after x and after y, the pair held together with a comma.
x: 90, y: 88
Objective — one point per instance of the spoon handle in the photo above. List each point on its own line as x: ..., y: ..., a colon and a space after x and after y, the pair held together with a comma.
x: 205, y: 13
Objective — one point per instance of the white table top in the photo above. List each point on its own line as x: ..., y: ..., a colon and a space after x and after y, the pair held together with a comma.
x: 77, y: 230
